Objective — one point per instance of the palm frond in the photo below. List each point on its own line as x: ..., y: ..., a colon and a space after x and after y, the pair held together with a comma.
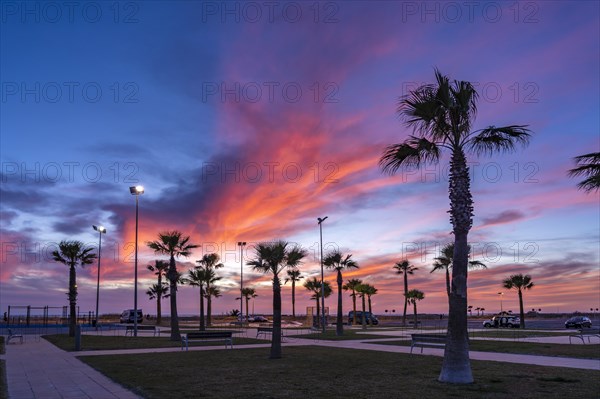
x: 588, y: 165
x: 499, y: 139
x: 415, y: 151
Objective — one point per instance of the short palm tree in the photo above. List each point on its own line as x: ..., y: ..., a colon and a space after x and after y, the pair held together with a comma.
x: 73, y: 253
x: 520, y: 283
x: 370, y: 291
x: 442, y: 115
x: 413, y: 297
x: 314, y: 285
x: 273, y: 257
x: 351, y: 286
x: 211, y: 292
x: 160, y: 269
x: 247, y: 294
x: 173, y: 244
x: 362, y: 290
x: 210, y: 262
x: 198, y: 277
x: 588, y: 166
x: 444, y: 262
x: 337, y: 261
x: 405, y: 268
x: 294, y: 276
x: 158, y: 292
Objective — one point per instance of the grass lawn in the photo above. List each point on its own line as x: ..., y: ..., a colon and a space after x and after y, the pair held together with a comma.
x: 318, y: 372
x: 526, y: 348
x: 348, y: 335
x: 99, y: 342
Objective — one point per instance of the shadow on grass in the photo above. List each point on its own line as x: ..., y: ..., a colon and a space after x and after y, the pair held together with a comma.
x: 318, y: 372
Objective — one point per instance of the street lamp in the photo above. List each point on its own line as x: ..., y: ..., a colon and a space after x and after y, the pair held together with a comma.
x: 320, y: 221
x: 101, y: 230
x: 241, y: 245
x: 137, y: 191
x: 501, y: 295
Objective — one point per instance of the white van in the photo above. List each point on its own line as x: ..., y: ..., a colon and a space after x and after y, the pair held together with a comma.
x: 127, y: 316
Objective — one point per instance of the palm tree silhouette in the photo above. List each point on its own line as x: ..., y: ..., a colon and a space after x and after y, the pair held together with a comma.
x: 73, y: 253
x: 444, y: 262
x: 173, y: 244
x: 273, y: 257
x: 413, y: 297
x: 370, y: 291
x: 520, y: 283
x: 294, y: 276
x: 160, y: 269
x: 314, y: 285
x: 337, y: 261
x: 588, y: 165
x: 248, y: 293
x: 405, y: 268
x: 210, y: 262
x: 351, y: 286
x: 442, y: 115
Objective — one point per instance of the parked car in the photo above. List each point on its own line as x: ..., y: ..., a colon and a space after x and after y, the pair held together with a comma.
x: 127, y: 316
x: 578, y: 322
x: 503, y: 321
x: 257, y: 319
x: 369, y: 318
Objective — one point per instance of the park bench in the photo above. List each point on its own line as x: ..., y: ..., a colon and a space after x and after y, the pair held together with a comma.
x: 427, y: 340
x: 12, y: 335
x: 585, y: 332
x: 207, y: 336
x: 265, y: 330
x: 130, y: 329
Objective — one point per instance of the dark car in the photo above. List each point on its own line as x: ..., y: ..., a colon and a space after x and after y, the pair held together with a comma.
x: 369, y: 318
x: 578, y: 322
x: 257, y: 319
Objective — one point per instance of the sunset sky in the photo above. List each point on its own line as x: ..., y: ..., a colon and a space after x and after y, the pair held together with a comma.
x: 247, y: 121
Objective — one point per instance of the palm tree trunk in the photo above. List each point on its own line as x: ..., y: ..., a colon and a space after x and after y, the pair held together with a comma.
x: 318, y: 311
x: 247, y: 300
x: 521, y: 313
x: 405, y: 297
x: 456, y: 367
x: 175, y: 335
x: 276, y: 338
x: 354, y: 307
x: 208, y: 308
x: 72, y: 300
x: 370, y: 309
x: 158, y: 309
x: 415, y: 310
x: 202, y: 325
x: 339, y: 327
x: 293, y: 298
x: 364, y: 319
x: 448, y: 281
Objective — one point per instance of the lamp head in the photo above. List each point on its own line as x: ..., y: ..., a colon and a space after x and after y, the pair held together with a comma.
x: 321, y: 220
x: 100, y: 229
x: 136, y: 190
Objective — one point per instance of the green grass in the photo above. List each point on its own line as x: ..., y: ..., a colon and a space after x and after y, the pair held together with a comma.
x: 517, y: 334
x: 524, y: 348
x: 99, y: 342
x: 318, y: 372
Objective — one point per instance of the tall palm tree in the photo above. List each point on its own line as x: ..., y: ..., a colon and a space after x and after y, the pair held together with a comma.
x: 442, y: 115
x: 247, y: 294
x: 588, y: 165
x: 520, y: 283
x: 294, y: 276
x: 158, y: 292
x: 173, y: 244
x: 405, y: 268
x: 362, y: 290
x: 413, y: 297
x: 370, y: 291
x: 444, y: 262
x: 73, y: 253
x: 351, y: 286
x: 273, y: 257
x: 337, y: 261
x: 314, y: 285
x: 160, y: 269
x: 210, y: 262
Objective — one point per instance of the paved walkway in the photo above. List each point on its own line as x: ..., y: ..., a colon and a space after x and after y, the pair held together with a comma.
x: 39, y: 370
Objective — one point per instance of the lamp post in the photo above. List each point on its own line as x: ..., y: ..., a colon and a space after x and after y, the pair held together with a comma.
x: 320, y: 221
x: 101, y: 230
x: 137, y: 191
x: 501, y: 295
x: 241, y: 245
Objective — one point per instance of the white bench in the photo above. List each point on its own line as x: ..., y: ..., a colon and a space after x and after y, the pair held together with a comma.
x: 427, y: 340
x: 586, y: 332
